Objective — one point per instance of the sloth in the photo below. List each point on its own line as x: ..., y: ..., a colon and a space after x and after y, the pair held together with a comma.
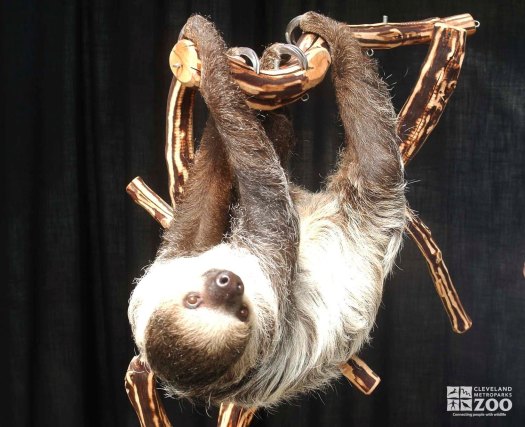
x: 271, y: 308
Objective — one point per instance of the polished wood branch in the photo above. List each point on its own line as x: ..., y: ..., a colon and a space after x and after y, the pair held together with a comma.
x: 391, y: 35
x: 436, y: 82
x: 422, y: 236
x: 416, y: 120
x: 142, y: 392
x: 231, y: 415
x: 274, y: 88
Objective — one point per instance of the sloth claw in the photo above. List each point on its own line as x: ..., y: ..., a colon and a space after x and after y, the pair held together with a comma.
x: 293, y: 50
x: 272, y: 57
x: 181, y: 33
x: 292, y: 25
x: 248, y: 53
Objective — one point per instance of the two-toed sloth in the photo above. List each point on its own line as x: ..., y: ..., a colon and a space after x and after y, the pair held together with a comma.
x: 272, y: 308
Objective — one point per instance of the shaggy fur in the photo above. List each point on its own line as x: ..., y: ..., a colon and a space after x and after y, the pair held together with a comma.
x: 312, y: 265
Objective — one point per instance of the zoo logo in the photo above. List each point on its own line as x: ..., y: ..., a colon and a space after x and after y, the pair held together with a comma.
x: 459, y: 398
x: 463, y: 399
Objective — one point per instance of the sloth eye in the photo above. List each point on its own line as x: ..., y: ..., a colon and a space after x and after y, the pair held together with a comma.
x: 192, y: 300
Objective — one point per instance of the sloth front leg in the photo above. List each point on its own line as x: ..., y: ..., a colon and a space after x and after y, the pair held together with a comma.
x: 202, y: 216
x: 369, y: 181
x: 371, y: 155
x: 267, y: 222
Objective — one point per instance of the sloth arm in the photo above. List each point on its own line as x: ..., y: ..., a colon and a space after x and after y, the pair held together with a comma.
x: 267, y: 223
x: 369, y: 181
x: 371, y: 159
x: 201, y: 218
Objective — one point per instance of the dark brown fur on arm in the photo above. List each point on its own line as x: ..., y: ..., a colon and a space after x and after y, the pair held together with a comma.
x: 201, y: 218
x: 369, y: 181
x: 279, y: 129
x: 371, y: 159
x: 266, y: 223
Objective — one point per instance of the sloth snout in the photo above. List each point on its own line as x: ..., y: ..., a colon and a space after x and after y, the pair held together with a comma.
x: 225, y: 289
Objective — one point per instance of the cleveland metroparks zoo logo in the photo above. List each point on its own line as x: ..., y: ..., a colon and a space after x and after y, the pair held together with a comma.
x: 476, y: 401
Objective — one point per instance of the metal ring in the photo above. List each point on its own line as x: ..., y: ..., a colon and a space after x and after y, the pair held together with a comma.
x: 477, y: 24
x: 370, y: 52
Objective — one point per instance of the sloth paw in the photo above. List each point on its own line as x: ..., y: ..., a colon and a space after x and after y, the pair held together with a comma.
x: 205, y: 36
x: 312, y: 22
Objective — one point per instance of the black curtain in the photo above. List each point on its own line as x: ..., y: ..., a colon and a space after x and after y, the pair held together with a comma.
x: 84, y: 86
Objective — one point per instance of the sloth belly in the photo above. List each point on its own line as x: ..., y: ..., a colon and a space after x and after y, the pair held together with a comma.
x: 336, y: 286
x: 335, y: 300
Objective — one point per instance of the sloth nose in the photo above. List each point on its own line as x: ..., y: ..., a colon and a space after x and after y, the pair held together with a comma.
x: 225, y: 285
x: 225, y: 289
x: 230, y: 282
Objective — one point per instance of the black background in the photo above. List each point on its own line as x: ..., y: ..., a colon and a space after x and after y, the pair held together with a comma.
x: 84, y: 85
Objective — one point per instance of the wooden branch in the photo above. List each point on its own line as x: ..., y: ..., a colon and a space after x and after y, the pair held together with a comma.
x: 436, y: 83
x: 185, y: 63
x: 231, y: 415
x: 360, y: 375
x: 417, y: 119
x: 179, y: 149
x: 142, y: 393
x: 268, y: 90
x: 146, y: 198
x: 391, y: 35
x: 422, y: 236
x: 271, y: 89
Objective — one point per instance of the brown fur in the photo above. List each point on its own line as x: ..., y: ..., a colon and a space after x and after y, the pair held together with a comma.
x: 201, y: 217
x: 175, y: 349
x: 249, y: 152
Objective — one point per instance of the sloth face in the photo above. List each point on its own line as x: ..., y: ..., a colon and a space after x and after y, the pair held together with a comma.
x: 196, y: 321
x: 195, y: 339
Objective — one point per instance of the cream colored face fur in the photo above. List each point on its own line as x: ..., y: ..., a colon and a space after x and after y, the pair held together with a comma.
x: 166, y: 283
